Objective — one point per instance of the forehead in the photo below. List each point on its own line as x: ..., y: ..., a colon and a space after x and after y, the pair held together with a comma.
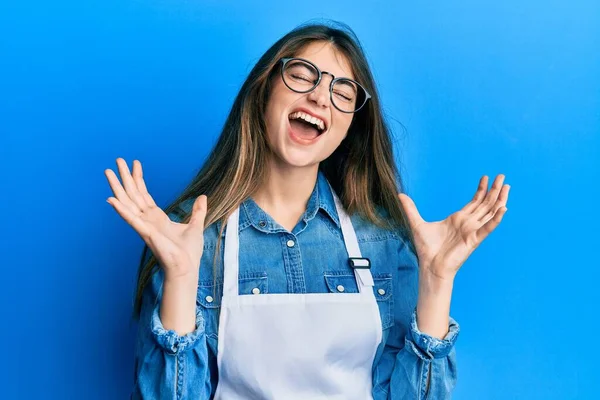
x: 325, y: 56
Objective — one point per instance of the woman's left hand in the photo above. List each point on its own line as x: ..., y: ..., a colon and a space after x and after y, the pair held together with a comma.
x: 443, y: 246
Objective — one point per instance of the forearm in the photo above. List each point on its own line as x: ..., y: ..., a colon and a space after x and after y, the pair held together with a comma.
x: 178, y: 304
x: 433, y: 304
x: 419, y: 359
x: 168, y: 365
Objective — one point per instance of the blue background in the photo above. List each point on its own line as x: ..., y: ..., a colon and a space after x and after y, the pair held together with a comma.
x: 470, y: 89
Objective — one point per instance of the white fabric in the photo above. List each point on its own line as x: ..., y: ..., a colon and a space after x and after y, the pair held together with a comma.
x: 308, y: 346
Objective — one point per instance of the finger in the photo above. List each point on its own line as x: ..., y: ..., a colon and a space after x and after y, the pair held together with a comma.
x: 138, y: 178
x: 414, y: 218
x: 199, y: 211
x: 119, y: 192
x: 131, y: 218
x: 489, y: 226
x: 486, y: 205
x: 493, y: 202
x: 478, y: 197
x: 129, y: 185
x: 500, y: 202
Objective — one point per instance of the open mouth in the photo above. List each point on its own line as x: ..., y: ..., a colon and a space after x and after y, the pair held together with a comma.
x: 305, y: 126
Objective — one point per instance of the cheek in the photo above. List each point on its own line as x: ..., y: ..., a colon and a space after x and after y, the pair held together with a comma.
x: 274, y: 115
x: 272, y: 122
x: 342, y: 125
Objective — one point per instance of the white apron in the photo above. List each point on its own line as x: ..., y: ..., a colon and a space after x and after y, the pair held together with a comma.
x: 297, y: 346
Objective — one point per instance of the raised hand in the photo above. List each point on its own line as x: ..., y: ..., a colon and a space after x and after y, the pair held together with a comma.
x: 443, y: 246
x: 178, y: 247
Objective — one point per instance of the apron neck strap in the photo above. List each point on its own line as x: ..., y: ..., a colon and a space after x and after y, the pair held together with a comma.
x: 232, y: 251
x: 364, y: 279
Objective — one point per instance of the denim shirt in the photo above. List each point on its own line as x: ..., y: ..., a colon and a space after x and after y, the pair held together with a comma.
x: 312, y: 258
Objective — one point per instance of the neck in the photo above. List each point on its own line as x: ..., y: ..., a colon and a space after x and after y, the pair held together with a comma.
x: 287, y: 188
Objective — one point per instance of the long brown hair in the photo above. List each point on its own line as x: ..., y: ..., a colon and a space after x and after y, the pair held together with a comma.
x: 361, y: 170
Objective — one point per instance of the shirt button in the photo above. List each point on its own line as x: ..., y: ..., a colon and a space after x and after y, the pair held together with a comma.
x: 209, y: 299
x: 256, y: 290
x: 262, y: 224
x: 290, y: 243
x: 381, y: 292
x: 340, y: 288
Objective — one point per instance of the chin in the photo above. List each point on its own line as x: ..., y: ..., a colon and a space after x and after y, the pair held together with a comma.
x: 295, y: 158
x: 298, y: 161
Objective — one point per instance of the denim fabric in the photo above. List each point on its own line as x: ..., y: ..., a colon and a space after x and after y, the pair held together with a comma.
x: 309, y: 259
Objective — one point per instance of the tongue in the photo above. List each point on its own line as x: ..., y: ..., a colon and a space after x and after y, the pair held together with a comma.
x: 304, y: 129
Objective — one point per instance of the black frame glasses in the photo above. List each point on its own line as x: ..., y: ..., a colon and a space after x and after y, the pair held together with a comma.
x: 284, y: 62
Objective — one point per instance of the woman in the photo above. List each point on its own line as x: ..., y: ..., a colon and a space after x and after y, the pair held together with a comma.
x: 291, y: 268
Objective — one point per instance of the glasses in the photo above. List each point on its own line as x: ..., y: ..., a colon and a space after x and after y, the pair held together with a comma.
x: 302, y: 76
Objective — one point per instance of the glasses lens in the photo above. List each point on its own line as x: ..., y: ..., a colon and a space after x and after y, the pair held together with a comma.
x: 348, y: 96
x: 300, y: 76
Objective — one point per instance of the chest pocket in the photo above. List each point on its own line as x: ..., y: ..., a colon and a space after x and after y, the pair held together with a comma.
x: 383, y: 289
x: 210, y: 294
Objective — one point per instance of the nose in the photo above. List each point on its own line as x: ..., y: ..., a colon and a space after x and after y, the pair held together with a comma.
x: 320, y: 94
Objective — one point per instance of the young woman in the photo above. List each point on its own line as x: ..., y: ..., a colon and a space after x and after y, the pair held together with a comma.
x: 291, y: 268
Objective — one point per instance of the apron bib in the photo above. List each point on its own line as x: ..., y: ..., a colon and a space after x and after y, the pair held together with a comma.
x: 305, y: 346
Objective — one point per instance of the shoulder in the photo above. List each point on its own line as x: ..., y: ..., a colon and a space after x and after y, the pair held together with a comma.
x: 367, y: 231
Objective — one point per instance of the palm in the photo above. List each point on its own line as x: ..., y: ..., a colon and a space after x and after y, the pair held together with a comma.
x: 173, y: 243
x: 178, y: 247
x: 443, y: 246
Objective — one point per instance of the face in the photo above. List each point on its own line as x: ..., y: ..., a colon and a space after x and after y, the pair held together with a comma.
x: 291, y: 145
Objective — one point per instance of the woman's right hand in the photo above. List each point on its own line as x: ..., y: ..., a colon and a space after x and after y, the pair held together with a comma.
x: 178, y: 247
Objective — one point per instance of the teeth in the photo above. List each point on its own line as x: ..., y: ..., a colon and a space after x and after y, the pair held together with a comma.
x: 313, y: 120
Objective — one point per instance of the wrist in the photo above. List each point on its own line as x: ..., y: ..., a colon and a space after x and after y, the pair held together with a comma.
x: 434, y: 284
x: 185, y: 280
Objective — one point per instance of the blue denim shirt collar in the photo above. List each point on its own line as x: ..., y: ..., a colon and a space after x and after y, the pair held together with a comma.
x: 320, y: 199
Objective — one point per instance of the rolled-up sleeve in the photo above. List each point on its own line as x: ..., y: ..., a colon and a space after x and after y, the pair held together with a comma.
x: 425, y: 368
x: 414, y: 365
x: 167, y: 365
x: 428, y: 347
x: 169, y: 340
